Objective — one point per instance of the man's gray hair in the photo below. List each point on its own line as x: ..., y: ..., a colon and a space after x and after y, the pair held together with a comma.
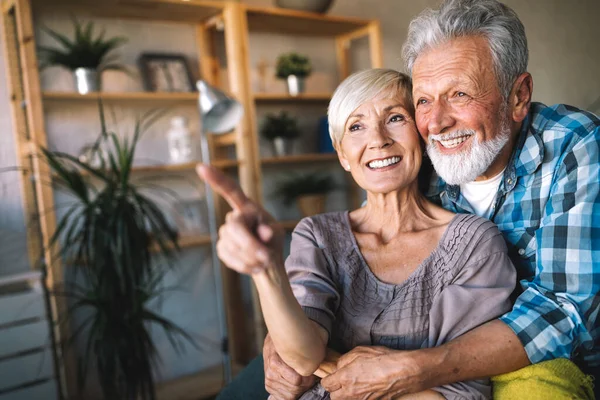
x: 491, y: 19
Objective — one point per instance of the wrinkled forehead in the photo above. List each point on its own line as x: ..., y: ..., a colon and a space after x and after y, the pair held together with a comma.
x: 392, y: 95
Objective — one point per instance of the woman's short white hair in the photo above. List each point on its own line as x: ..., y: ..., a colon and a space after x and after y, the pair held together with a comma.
x: 490, y: 19
x: 360, y: 88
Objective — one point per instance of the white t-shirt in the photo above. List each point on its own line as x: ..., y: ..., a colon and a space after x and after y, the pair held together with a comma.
x: 481, y: 195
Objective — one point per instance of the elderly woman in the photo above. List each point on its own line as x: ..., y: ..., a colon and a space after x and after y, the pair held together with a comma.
x: 399, y: 272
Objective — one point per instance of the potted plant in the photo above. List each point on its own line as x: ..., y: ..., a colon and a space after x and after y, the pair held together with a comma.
x: 116, y: 244
x: 309, y: 191
x: 294, y: 68
x: 280, y: 130
x: 87, y: 56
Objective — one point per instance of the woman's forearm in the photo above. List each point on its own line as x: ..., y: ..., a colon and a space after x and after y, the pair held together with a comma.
x: 299, y: 342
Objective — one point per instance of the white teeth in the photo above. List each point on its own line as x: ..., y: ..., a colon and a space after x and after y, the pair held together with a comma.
x: 383, y: 163
x: 449, y: 144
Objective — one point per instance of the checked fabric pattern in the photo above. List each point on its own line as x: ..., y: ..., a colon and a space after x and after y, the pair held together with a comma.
x: 548, y: 209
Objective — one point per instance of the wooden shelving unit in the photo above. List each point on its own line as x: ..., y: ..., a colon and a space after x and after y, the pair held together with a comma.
x: 122, y: 96
x: 234, y: 22
x: 289, y: 225
x: 283, y: 97
x: 189, y: 241
x: 300, y: 159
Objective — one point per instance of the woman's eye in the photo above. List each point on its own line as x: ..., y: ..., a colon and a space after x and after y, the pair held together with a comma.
x: 461, y: 94
x: 354, y: 127
x: 397, y: 118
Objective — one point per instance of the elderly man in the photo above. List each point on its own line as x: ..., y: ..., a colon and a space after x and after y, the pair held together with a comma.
x: 531, y: 169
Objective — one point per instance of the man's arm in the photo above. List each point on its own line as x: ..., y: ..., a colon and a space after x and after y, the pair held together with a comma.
x: 556, y: 316
x: 488, y: 350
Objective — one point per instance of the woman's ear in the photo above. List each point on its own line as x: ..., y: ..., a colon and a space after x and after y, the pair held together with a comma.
x: 520, y: 97
x: 343, y: 160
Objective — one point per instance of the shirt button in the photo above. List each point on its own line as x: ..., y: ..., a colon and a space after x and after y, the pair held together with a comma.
x: 509, y: 181
x: 521, y: 252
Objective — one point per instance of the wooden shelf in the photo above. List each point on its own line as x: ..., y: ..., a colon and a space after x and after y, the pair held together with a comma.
x: 289, y: 225
x: 223, y: 164
x: 284, y: 97
x: 190, y: 11
x: 300, y: 158
x: 189, y: 241
x: 122, y: 96
x: 185, y: 167
x: 202, y: 385
x: 293, y: 22
x: 194, y: 241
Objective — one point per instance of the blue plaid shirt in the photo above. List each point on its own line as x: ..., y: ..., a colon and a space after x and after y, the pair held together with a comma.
x: 548, y: 209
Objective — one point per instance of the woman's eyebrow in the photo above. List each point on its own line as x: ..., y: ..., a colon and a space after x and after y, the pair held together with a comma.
x: 356, y: 116
x: 388, y: 108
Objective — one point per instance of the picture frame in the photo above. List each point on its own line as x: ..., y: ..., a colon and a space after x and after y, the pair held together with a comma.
x: 163, y: 72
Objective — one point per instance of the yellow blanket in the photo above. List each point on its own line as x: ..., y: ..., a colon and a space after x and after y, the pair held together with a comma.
x: 549, y: 380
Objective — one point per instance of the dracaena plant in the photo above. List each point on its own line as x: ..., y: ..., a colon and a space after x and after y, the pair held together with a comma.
x: 119, y: 243
x: 85, y: 50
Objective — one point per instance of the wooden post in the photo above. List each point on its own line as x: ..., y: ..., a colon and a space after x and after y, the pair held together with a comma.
x: 207, y: 57
x: 22, y: 143
x: 33, y: 115
x: 375, y: 44
x: 237, y: 47
x: 342, y: 51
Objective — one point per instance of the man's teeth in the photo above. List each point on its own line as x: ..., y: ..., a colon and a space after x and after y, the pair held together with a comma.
x: 449, y: 144
x: 384, y: 163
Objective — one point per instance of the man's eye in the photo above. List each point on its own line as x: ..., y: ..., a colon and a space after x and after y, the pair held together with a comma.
x: 421, y: 101
x: 397, y: 118
x: 461, y: 94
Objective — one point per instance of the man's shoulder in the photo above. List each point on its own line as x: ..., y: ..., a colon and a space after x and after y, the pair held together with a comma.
x: 569, y: 120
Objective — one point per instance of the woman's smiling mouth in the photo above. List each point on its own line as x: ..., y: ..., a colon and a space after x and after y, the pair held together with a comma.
x: 384, y: 162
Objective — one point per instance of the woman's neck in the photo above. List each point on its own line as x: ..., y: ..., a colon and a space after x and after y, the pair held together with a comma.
x: 391, y: 213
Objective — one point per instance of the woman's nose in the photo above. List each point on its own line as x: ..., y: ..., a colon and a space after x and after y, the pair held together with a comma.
x: 379, y: 138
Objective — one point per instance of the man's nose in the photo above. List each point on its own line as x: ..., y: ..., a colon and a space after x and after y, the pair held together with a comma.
x: 440, y: 118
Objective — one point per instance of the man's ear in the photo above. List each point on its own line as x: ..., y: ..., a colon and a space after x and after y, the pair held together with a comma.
x: 520, y: 97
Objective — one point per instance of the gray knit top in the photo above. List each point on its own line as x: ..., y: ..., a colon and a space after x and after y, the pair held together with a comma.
x: 464, y: 282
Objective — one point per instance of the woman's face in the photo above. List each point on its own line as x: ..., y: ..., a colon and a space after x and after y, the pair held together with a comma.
x: 381, y: 145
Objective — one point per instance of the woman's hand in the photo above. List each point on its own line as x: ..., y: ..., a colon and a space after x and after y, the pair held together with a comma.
x: 250, y: 240
x: 247, y: 244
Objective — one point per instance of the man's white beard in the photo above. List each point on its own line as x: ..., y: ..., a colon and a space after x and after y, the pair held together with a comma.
x: 466, y: 165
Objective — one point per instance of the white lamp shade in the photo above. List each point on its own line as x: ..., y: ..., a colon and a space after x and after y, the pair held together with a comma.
x: 220, y: 113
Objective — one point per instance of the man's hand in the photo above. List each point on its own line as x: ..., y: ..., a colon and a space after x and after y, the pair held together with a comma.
x: 373, y: 373
x: 281, y: 381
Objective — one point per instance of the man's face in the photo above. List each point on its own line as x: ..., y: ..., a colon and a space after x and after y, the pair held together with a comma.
x: 460, y: 111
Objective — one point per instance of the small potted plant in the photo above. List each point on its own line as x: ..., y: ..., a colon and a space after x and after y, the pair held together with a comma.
x: 294, y: 68
x: 309, y: 191
x: 280, y: 130
x: 87, y: 56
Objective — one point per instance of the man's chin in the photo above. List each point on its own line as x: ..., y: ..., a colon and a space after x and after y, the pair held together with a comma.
x: 455, y: 169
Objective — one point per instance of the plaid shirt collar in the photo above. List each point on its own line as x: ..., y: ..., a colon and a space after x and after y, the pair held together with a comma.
x: 525, y: 159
